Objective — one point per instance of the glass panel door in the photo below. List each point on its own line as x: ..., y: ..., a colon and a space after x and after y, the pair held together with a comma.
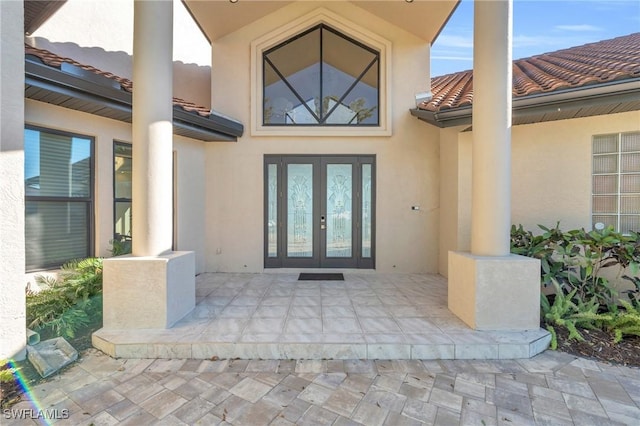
x: 300, y: 210
x: 337, y: 224
x: 319, y: 211
x: 339, y: 189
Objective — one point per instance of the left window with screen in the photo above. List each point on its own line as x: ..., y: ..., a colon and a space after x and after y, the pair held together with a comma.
x: 58, y: 197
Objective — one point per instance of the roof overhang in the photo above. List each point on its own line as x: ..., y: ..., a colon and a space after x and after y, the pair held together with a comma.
x: 101, y: 96
x: 607, y: 98
x: 37, y: 12
x: 423, y: 18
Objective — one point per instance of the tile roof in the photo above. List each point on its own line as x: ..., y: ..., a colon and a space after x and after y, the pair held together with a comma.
x: 575, y: 67
x: 53, y: 60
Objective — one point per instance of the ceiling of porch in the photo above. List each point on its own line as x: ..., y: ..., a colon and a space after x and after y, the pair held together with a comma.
x: 423, y: 18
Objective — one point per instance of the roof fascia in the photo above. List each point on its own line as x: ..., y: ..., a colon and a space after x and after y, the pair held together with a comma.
x: 47, y: 77
x: 606, y: 93
x: 214, y: 128
x: 222, y: 125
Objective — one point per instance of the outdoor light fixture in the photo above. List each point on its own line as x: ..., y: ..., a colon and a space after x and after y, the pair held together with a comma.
x: 233, y: 1
x: 423, y: 97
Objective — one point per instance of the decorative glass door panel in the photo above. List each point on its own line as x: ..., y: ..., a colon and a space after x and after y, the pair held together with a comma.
x: 299, y: 210
x: 339, y: 222
x: 319, y: 211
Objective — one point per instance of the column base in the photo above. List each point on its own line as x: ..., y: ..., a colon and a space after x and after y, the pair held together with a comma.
x: 148, y: 292
x: 495, y: 293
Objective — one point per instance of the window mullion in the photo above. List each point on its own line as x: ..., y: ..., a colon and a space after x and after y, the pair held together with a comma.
x: 619, y: 181
x: 346, y: 93
x: 294, y: 91
x: 321, y: 82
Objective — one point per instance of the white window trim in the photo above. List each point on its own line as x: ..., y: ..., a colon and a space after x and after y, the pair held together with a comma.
x: 321, y: 16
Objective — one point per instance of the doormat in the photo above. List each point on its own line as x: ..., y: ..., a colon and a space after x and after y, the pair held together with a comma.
x: 306, y: 276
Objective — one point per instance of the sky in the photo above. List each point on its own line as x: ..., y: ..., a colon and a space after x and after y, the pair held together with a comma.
x: 539, y: 26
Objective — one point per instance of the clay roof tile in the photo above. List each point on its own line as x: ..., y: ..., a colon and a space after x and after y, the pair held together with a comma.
x: 53, y: 60
x: 575, y: 67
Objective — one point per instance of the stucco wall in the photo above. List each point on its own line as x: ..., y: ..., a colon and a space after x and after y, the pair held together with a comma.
x: 12, y: 285
x: 407, y: 161
x: 552, y: 169
x: 91, y: 33
x: 551, y: 174
x: 190, y: 174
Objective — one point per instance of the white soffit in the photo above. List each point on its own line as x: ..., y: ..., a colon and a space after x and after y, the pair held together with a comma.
x: 423, y: 18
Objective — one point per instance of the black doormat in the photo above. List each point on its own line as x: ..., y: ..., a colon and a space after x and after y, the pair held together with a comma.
x: 307, y: 276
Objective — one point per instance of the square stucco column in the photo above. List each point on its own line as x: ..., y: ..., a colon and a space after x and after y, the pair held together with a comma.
x: 12, y: 252
x: 495, y: 292
x: 148, y: 292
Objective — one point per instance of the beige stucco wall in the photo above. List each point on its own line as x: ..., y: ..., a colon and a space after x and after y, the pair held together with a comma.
x: 407, y: 161
x: 12, y: 245
x: 551, y: 175
x: 552, y: 169
x: 91, y: 33
x: 190, y: 174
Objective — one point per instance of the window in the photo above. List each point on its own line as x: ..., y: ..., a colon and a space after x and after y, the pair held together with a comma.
x: 58, y: 197
x: 616, y: 181
x: 122, y: 191
x: 321, y: 77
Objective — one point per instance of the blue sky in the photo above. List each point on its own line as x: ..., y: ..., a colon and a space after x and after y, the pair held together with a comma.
x: 539, y: 26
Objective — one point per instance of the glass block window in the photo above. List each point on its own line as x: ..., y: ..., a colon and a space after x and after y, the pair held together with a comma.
x: 58, y: 197
x: 616, y: 181
x: 321, y: 77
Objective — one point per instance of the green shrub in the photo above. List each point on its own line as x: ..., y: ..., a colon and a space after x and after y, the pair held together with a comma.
x: 567, y: 313
x: 576, y: 258
x: 7, y: 373
x: 572, y: 263
x: 624, y: 321
x: 69, y: 303
x: 120, y: 246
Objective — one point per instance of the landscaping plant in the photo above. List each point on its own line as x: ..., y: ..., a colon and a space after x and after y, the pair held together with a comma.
x: 68, y: 303
x: 572, y: 263
x: 567, y: 313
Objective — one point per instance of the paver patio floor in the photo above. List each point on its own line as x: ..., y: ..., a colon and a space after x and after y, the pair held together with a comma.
x: 369, y: 315
x: 549, y: 389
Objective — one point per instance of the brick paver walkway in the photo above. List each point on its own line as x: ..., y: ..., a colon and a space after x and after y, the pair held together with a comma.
x: 550, y: 389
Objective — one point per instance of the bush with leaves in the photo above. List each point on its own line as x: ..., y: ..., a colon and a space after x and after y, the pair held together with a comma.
x: 566, y: 312
x: 7, y: 372
x: 575, y: 259
x: 68, y: 303
x: 624, y: 321
x: 572, y: 262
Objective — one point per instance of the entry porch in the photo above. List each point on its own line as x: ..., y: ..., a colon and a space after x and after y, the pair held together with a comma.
x: 369, y: 315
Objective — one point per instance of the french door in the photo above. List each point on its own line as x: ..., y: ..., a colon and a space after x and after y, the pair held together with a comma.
x: 319, y: 211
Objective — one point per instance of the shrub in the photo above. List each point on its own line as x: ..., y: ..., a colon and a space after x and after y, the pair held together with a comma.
x: 7, y: 373
x: 624, y: 321
x: 575, y: 259
x: 69, y: 303
x: 567, y: 313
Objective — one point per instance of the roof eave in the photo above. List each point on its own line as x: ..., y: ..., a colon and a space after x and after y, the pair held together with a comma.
x: 116, y: 103
x: 616, y: 92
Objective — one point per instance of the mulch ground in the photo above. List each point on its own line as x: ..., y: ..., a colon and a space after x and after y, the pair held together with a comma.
x: 598, y: 345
